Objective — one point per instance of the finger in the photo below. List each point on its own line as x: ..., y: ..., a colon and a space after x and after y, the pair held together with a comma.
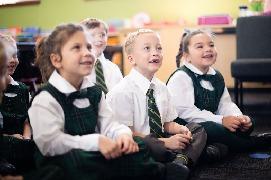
x: 125, y: 146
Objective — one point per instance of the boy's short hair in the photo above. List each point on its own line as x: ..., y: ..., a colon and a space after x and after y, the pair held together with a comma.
x: 129, y: 42
x: 91, y: 23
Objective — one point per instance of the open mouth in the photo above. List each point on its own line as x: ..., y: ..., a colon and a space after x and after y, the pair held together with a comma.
x: 208, y: 56
x: 154, y: 61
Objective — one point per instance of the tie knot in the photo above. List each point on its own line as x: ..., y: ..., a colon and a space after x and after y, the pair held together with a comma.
x: 78, y: 94
x: 205, y: 77
x: 98, y: 62
x: 150, y: 92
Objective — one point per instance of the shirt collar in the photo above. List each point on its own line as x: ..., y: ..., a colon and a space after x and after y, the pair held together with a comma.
x: 142, y: 82
x: 64, y: 86
x: 101, y: 57
x: 13, y: 82
x: 190, y: 66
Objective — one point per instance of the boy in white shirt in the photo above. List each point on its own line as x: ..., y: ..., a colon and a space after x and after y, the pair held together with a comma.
x: 109, y: 74
x: 142, y: 102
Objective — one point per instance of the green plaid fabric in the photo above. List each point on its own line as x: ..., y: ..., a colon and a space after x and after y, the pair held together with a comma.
x: 154, y: 115
x: 14, y: 109
x: 204, y: 98
x: 100, y: 76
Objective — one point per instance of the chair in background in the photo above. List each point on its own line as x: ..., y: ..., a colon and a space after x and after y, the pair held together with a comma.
x: 26, y: 72
x: 253, y: 63
x: 115, y: 54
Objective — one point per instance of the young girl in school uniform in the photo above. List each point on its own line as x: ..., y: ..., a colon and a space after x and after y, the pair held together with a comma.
x: 200, y: 95
x: 72, y: 124
x: 15, y: 102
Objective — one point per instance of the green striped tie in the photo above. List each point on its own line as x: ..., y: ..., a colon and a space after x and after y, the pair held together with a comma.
x: 100, y: 76
x: 154, y: 115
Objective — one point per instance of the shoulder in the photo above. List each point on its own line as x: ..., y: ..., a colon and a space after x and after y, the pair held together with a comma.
x: 218, y: 74
x: 43, y: 98
x: 109, y: 64
x: 125, y: 88
x: 22, y: 85
x: 178, y: 75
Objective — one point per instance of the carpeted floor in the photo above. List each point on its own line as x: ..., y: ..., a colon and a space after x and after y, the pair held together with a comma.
x: 240, y: 166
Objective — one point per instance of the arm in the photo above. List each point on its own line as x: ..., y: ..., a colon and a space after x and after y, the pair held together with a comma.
x: 112, y: 128
x: 182, y: 91
x: 226, y: 107
x: 27, y: 130
x: 47, y: 120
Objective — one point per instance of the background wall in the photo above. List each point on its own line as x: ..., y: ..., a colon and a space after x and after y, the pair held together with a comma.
x: 49, y: 13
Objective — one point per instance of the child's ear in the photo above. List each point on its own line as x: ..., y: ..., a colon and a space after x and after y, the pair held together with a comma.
x: 55, y: 60
x: 186, y: 57
x: 131, y: 59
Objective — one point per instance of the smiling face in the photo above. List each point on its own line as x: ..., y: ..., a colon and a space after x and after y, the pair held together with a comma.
x: 146, y: 54
x: 77, y: 59
x: 12, y: 58
x: 98, y: 38
x: 201, y: 52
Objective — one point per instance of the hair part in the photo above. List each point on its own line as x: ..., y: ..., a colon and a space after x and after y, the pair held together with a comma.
x: 52, y: 45
x: 91, y: 23
x: 185, y: 40
x: 131, y: 38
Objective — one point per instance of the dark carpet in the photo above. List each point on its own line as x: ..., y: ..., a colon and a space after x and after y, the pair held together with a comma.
x: 240, y: 166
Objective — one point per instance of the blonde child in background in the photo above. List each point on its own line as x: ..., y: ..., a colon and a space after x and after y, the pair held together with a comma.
x: 106, y: 73
x: 142, y: 102
x: 14, y: 107
x: 200, y: 95
x: 6, y: 169
x: 73, y: 126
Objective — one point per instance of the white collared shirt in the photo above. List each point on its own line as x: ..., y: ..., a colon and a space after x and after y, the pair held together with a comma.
x: 129, y: 102
x: 181, y: 87
x: 47, y: 120
x: 112, y: 74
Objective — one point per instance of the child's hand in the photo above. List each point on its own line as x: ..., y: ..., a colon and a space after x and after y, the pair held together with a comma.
x: 109, y: 148
x: 177, y: 141
x: 245, y: 123
x: 232, y: 123
x: 185, y: 130
x: 18, y: 136
x: 127, y: 144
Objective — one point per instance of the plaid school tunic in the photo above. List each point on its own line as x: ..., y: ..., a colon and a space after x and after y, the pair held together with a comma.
x: 14, y: 109
x: 204, y: 98
x: 19, y: 152
x: 80, y: 164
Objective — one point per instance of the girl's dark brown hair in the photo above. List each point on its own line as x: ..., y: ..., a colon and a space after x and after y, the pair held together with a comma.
x: 184, y: 43
x: 53, y: 44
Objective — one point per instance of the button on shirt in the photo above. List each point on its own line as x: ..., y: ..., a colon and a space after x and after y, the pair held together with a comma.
x: 128, y: 101
x: 111, y: 72
x: 181, y: 87
x: 47, y: 120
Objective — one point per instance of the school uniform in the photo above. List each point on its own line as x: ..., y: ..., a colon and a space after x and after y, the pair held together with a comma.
x: 204, y: 99
x: 68, y: 133
x: 129, y: 102
x: 14, y: 108
x: 111, y: 72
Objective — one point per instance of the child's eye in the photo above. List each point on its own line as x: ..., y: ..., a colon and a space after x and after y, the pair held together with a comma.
x: 199, y: 47
x: 103, y: 34
x: 147, y: 48
x: 212, y: 45
x: 76, y: 47
x: 159, y: 48
x: 89, y: 47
